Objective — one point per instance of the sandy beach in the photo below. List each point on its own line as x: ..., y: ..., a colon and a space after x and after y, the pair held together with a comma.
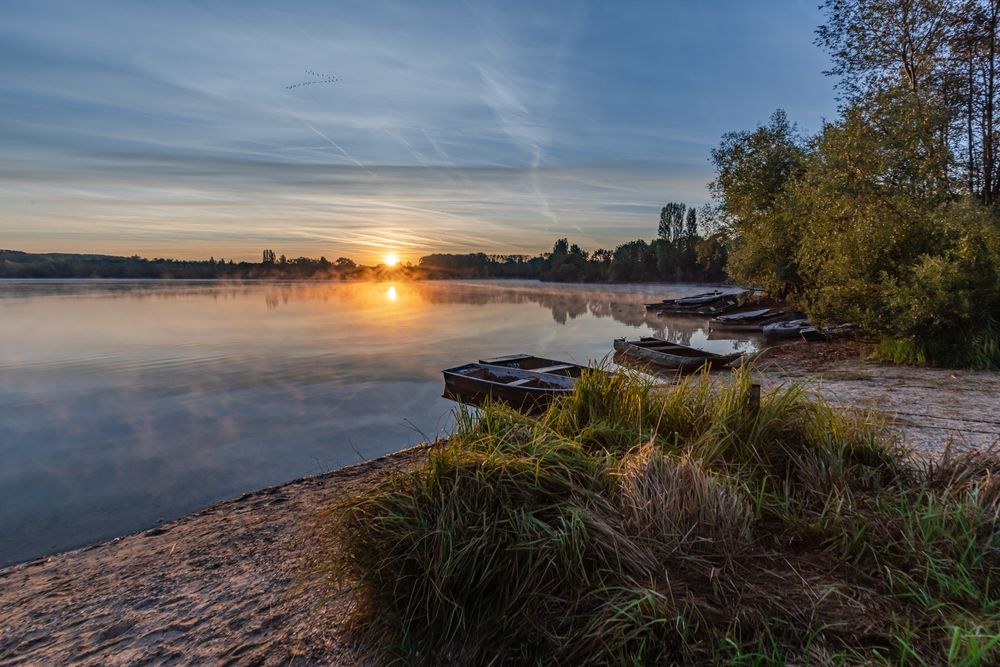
x: 223, y: 585
x: 218, y: 586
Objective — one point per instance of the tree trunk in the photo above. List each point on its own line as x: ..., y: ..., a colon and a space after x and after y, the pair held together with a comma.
x: 988, y: 111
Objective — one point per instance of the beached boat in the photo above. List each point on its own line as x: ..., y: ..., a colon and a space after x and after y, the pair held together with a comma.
x: 519, y: 388
x: 707, y: 303
x: 530, y: 362
x: 787, y: 329
x: 717, y: 307
x: 751, y: 320
x: 673, y: 356
x: 692, y: 301
x: 826, y: 333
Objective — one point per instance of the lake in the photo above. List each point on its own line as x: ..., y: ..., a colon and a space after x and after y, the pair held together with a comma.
x: 126, y: 403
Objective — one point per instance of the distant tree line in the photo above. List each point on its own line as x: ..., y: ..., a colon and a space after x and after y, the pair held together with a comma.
x: 15, y: 264
x: 678, y: 253
x: 443, y: 266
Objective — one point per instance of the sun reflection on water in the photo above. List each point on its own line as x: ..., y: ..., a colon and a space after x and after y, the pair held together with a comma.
x: 391, y: 294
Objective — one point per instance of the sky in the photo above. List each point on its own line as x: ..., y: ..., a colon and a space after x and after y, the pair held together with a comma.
x: 176, y: 129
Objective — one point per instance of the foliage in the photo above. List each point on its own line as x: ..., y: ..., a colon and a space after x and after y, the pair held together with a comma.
x: 753, y: 169
x: 15, y: 264
x: 636, y: 525
x: 672, y: 256
x: 887, y: 217
x: 480, y: 265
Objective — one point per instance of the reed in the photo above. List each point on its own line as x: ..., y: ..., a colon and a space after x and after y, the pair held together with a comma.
x: 639, y: 524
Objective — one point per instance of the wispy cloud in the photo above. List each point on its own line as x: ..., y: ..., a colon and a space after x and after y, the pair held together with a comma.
x: 167, y: 128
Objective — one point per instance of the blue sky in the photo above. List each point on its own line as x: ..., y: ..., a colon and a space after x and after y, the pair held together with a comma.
x: 168, y: 129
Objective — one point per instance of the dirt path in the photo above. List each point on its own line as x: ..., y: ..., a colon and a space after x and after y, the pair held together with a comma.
x: 931, y: 406
x: 213, y: 587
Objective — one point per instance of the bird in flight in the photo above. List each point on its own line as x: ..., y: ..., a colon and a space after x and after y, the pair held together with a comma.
x: 320, y: 78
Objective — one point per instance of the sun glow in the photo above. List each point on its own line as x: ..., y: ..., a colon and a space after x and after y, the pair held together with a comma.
x: 391, y: 293
x: 391, y: 259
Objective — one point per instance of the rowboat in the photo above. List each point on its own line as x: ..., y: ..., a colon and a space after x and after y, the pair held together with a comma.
x: 688, y: 301
x: 751, y: 320
x: 787, y: 329
x: 673, y: 356
x: 717, y: 307
x: 707, y: 303
x: 519, y: 388
x: 530, y: 362
x: 803, y: 328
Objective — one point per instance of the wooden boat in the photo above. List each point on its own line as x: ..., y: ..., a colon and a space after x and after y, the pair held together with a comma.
x: 692, y: 301
x: 530, y: 362
x: 708, y: 303
x: 717, y: 307
x: 742, y: 321
x: 752, y: 320
x: 787, y: 329
x: 673, y: 356
x: 475, y: 383
x: 826, y: 333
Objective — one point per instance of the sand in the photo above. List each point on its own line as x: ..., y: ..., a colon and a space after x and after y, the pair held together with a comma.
x: 930, y: 407
x: 224, y: 585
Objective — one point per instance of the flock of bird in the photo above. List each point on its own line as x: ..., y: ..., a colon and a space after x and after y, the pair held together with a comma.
x: 322, y: 78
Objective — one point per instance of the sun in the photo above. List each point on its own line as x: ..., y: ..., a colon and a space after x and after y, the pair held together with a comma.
x: 391, y: 259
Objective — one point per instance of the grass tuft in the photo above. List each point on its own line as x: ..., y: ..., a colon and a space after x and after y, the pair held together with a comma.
x: 636, y: 524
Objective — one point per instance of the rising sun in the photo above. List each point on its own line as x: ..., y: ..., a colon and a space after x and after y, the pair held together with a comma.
x: 391, y: 259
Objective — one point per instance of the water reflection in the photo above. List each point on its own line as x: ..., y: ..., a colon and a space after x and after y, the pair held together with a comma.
x: 125, y: 402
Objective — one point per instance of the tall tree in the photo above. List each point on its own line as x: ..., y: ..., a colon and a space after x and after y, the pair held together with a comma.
x: 944, y: 53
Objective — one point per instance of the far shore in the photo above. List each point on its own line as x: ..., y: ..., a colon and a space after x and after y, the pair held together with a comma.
x: 228, y: 583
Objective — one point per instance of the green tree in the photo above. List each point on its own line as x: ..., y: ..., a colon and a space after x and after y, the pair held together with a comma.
x: 753, y: 171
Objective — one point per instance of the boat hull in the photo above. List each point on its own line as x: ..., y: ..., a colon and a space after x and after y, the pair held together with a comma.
x: 462, y: 387
x: 673, y: 362
x: 538, y: 364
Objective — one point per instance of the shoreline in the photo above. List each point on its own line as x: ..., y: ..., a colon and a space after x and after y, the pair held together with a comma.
x: 225, y: 583
x: 220, y: 584
x: 158, y: 527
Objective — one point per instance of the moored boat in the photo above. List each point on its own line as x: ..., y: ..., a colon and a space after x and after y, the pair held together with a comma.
x: 530, y: 362
x: 475, y: 383
x: 751, y: 320
x: 687, y: 301
x: 672, y: 356
x: 707, y: 303
x: 787, y: 329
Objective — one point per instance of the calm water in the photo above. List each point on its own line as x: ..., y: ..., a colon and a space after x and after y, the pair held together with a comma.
x: 123, y: 403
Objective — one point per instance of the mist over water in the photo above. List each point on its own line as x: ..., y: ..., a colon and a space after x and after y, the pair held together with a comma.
x: 123, y: 403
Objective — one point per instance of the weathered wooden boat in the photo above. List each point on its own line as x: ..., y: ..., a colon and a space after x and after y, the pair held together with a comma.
x: 741, y: 321
x: 826, y: 333
x: 672, y: 356
x: 475, y: 383
x: 787, y: 329
x: 530, y: 362
x: 709, y: 303
x: 717, y: 307
x: 692, y: 301
x: 752, y: 320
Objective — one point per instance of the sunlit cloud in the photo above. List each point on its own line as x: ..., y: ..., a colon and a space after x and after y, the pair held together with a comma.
x: 168, y: 129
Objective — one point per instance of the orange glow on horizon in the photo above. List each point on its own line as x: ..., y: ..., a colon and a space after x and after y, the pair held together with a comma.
x: 391, y: 259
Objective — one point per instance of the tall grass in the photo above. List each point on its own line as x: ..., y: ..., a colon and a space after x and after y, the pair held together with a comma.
x: 633, y: 524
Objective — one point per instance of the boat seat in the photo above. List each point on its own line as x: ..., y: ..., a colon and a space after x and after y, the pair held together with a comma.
x: 518, y: 383
x: 549, y: 369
